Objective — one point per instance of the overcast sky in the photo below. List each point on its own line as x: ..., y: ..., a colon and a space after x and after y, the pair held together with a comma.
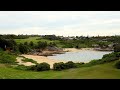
x: 66, y: 23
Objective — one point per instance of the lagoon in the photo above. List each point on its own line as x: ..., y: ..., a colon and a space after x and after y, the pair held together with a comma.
x: 81, y: 56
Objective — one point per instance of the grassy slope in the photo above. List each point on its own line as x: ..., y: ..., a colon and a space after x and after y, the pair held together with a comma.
x: 95, y: 72
x: 35, y: 41
x: 30, y: 39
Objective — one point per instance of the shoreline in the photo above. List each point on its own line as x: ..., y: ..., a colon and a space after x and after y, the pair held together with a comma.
x: 41, y: 59
x: 77, y: 50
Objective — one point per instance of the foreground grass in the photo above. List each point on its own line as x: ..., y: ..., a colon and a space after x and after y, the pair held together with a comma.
x: 103, y: 71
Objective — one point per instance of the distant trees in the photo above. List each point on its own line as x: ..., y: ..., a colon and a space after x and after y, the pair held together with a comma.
x: 41, y: 45
x: 52, y: 44
x: 7, y: 43
x: 31, y: 44
x: 25, y: 43
x: 117, y: 48
x: 23, y: 48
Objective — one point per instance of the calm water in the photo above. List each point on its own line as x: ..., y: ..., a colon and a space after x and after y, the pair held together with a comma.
x: 81, y: 56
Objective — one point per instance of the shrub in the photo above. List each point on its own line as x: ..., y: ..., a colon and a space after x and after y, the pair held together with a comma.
x: 23, y: 48
x: 59, y: 66
x: 117, y: 64
x: 94, y: 62
x: 110, y: 57
x: 7, y: 58
x: 69, y: 64
x: 40, y: 67
x: 22, y: 67
x: 117, y: 48
x: 76, y: 65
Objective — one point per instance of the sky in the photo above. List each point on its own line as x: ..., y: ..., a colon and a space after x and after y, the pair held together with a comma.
x: 63, y: 23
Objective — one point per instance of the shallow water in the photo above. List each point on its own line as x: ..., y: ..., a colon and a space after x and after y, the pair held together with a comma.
x: 81, y: 56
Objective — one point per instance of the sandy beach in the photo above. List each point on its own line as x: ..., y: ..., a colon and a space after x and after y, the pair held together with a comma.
x: 76, y: 50
x: 41, y: 59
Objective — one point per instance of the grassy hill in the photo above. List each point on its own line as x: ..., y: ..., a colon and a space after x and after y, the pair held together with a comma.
x: 103, y: 71
x: 36, y: 39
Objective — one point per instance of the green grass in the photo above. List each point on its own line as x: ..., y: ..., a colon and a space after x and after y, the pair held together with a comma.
x: 29, y: 60
x: 36, y: 39
x: 103, y: 71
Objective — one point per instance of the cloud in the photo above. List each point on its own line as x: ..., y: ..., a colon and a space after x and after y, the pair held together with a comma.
x: 65, y: 23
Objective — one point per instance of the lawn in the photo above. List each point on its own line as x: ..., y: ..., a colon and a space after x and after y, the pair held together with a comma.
x: 103, y: 71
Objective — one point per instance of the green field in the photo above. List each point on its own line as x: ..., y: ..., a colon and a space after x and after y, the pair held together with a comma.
x: 103, y: 71
x: 34, y: 40
x: 31, y: 39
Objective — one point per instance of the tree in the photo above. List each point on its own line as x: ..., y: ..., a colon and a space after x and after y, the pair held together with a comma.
x: 31, y: 44
x: 117, y: 48
x: 23, y: 48
x: 42, y: 45
x: 25, y: 43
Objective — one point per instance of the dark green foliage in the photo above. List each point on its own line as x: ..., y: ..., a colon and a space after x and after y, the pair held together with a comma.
x: 25, y: 43
x: 7, y: 58
x: 59, y: 66
x: 76, y: 65
x: 117, y: 48
x: 40, y: 67
x: 69, y: 64
x: 94, y: 62
x: 42, y: 45
x: 7, y: 43
x: 23, y: 48
x: 22, y: 67
x: 110, y: 57
x: 31, y: 44
x: 52, y: 44
x: 12, y: 36
x: 117, y: 64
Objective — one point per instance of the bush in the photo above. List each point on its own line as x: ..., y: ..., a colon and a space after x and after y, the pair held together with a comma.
x: 22, y: 67
x: 78, y: 64
x: 40, y: 67
x: 110, y: 57
x: 117, y: 48
x: 117, y: 64
x: 23, y: 48
x: 7, y: 58
x: 69, y: 64
x: 59, y: 66
x: 94, y: 62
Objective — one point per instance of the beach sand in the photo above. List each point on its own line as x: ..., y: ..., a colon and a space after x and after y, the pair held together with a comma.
x: 76, y: 50
x: 41, y: 59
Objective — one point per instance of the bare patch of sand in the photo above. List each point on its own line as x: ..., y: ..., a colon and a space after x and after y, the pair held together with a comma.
x: 20, y: 62
x: 41, y: 59
x: 76, y: 50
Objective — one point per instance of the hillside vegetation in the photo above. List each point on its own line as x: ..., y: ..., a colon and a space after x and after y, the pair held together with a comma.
x: 103, y: 71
